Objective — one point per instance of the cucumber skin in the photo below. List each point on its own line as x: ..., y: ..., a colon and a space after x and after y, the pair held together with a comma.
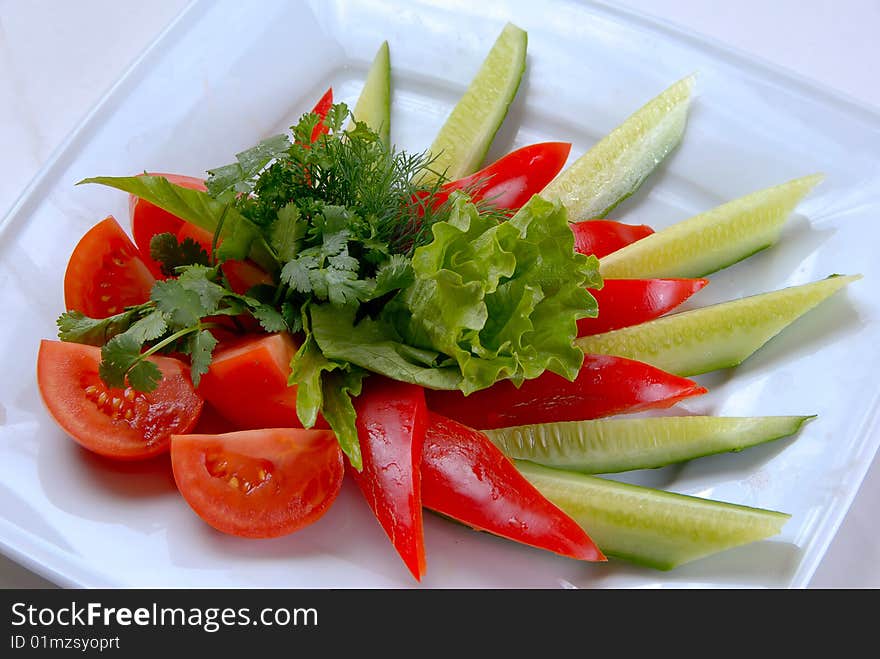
x: 682, y: 250
x: 588, y: 189
x: 453, y: 169
x: 648, y: 527
x: 564, y: 446
x: 726, y: 337
x: 373, y: 106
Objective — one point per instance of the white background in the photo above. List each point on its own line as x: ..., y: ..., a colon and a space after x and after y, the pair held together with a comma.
x: 57, y: 58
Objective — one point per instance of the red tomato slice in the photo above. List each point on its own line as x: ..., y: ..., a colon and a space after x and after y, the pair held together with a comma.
x: 247, y: 383
x: 211, y: 422
x: 147, y: 220
x: 117, y: 423
x: 105, y: 273
x: 258, y: 483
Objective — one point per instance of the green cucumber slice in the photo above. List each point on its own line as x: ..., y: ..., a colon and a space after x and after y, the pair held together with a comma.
x: 373, y: 106
x: 618, y: 164
x: 607, y: 446
x: 462, y: 143
x: 717, y: 336
x: 651, y: 527
x: 713, y: 240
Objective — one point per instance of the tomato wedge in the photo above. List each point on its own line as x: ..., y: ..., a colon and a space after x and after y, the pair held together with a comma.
x: 391, y: 421
x: 625, y: 302
x: 467, y: 478
x: 117, y: 423
x: 601, y: 237
x: 258, y: 483
x: 605, y: 386
x: 247, y: 383
x: 147, y: 219
x: 105, y: 273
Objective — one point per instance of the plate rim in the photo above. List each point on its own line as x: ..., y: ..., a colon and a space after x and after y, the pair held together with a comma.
x: 40, y: 557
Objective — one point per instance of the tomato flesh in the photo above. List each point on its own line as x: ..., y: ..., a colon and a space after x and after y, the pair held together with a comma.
x: 105, y: 273
x: 258, y: 483
x: 247, y: 383
x: 147, y: 219
x: 117, y: 423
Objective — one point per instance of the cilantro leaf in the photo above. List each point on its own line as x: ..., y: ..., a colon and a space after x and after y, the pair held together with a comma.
x: 395, y: 273
x: 292, y: 316
x: 118, y: 356
x: 198, y: 279
x: 336, y: 116
x: 172, y: 254
x: 199, y: 347
x: 149, y: 328
x: 76, y: 327
x: 182, y: 306
x: 295, y: 273
x: 227, y: 181
x: 270, y: 319
x: 287, y: 232
x: 334, y: 243
x: 344, y: 288
x: 144, y: 376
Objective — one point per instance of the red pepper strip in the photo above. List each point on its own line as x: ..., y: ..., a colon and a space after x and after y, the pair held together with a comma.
x: 601, y: 237
x: 322, y: 107
x: 510, y: 181
x: 466, y: 477
x: 391, y: 423
x: 605, y: 386
x: 625, y: 302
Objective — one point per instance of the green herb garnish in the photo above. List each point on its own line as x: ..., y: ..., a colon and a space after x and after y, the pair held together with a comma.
x: 373, y: 272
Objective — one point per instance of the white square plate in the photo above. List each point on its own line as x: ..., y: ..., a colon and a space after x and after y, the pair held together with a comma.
x: 226, y: 74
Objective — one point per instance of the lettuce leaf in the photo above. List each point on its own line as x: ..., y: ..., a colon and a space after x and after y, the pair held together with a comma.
x: 501, y: 299
x: 375, y: 346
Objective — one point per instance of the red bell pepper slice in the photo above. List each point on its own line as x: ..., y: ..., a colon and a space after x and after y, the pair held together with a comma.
x: 625, y: 302
x: 601, y: 237
x: 509, y: 182
x: 466, y: 477
x: 391, y: 422
x: 322, y: 107
x: 606, y: 385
